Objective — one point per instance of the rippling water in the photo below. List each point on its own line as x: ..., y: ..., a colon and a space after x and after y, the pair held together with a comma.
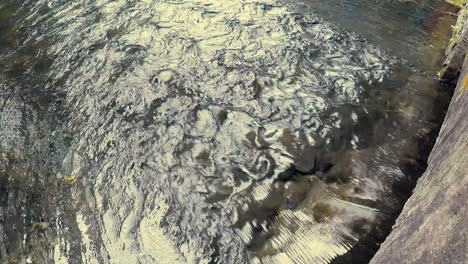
x: 212, y: 131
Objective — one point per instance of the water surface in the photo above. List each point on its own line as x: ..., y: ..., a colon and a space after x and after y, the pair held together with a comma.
x: 211, y: 131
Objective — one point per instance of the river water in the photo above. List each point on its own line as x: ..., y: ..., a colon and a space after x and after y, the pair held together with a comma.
x: 239, y: 131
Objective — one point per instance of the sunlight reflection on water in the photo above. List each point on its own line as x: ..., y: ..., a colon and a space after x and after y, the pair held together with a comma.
x: 201, y: 132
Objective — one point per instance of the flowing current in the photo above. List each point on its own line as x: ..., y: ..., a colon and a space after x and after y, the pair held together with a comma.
x: 240, y: 131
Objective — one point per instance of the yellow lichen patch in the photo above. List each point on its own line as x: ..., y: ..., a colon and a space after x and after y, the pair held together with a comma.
x: 441, y: 72
x: 464, y: 85
x: 459, y: 3
x: 70, y: 179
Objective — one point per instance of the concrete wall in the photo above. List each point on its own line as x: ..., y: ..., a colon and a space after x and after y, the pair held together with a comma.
x: 433, y: 227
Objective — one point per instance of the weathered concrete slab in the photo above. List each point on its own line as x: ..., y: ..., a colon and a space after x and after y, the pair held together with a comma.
x: 433, y: 227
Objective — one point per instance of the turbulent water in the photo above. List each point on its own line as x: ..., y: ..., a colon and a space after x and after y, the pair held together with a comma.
x: 208, y: 131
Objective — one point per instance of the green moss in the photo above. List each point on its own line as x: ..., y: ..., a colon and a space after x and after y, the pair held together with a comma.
x: 7, y: 12
x: 8, y: 29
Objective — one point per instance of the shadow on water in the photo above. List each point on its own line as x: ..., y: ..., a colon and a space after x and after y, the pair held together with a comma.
x: 415, y: 31
x: 413, y: 165
x: 187, y: 132
x: 33, y: 141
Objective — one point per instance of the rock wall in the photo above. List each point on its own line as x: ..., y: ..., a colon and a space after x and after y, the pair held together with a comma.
x: 456, y: 49
x: 433, y: 226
